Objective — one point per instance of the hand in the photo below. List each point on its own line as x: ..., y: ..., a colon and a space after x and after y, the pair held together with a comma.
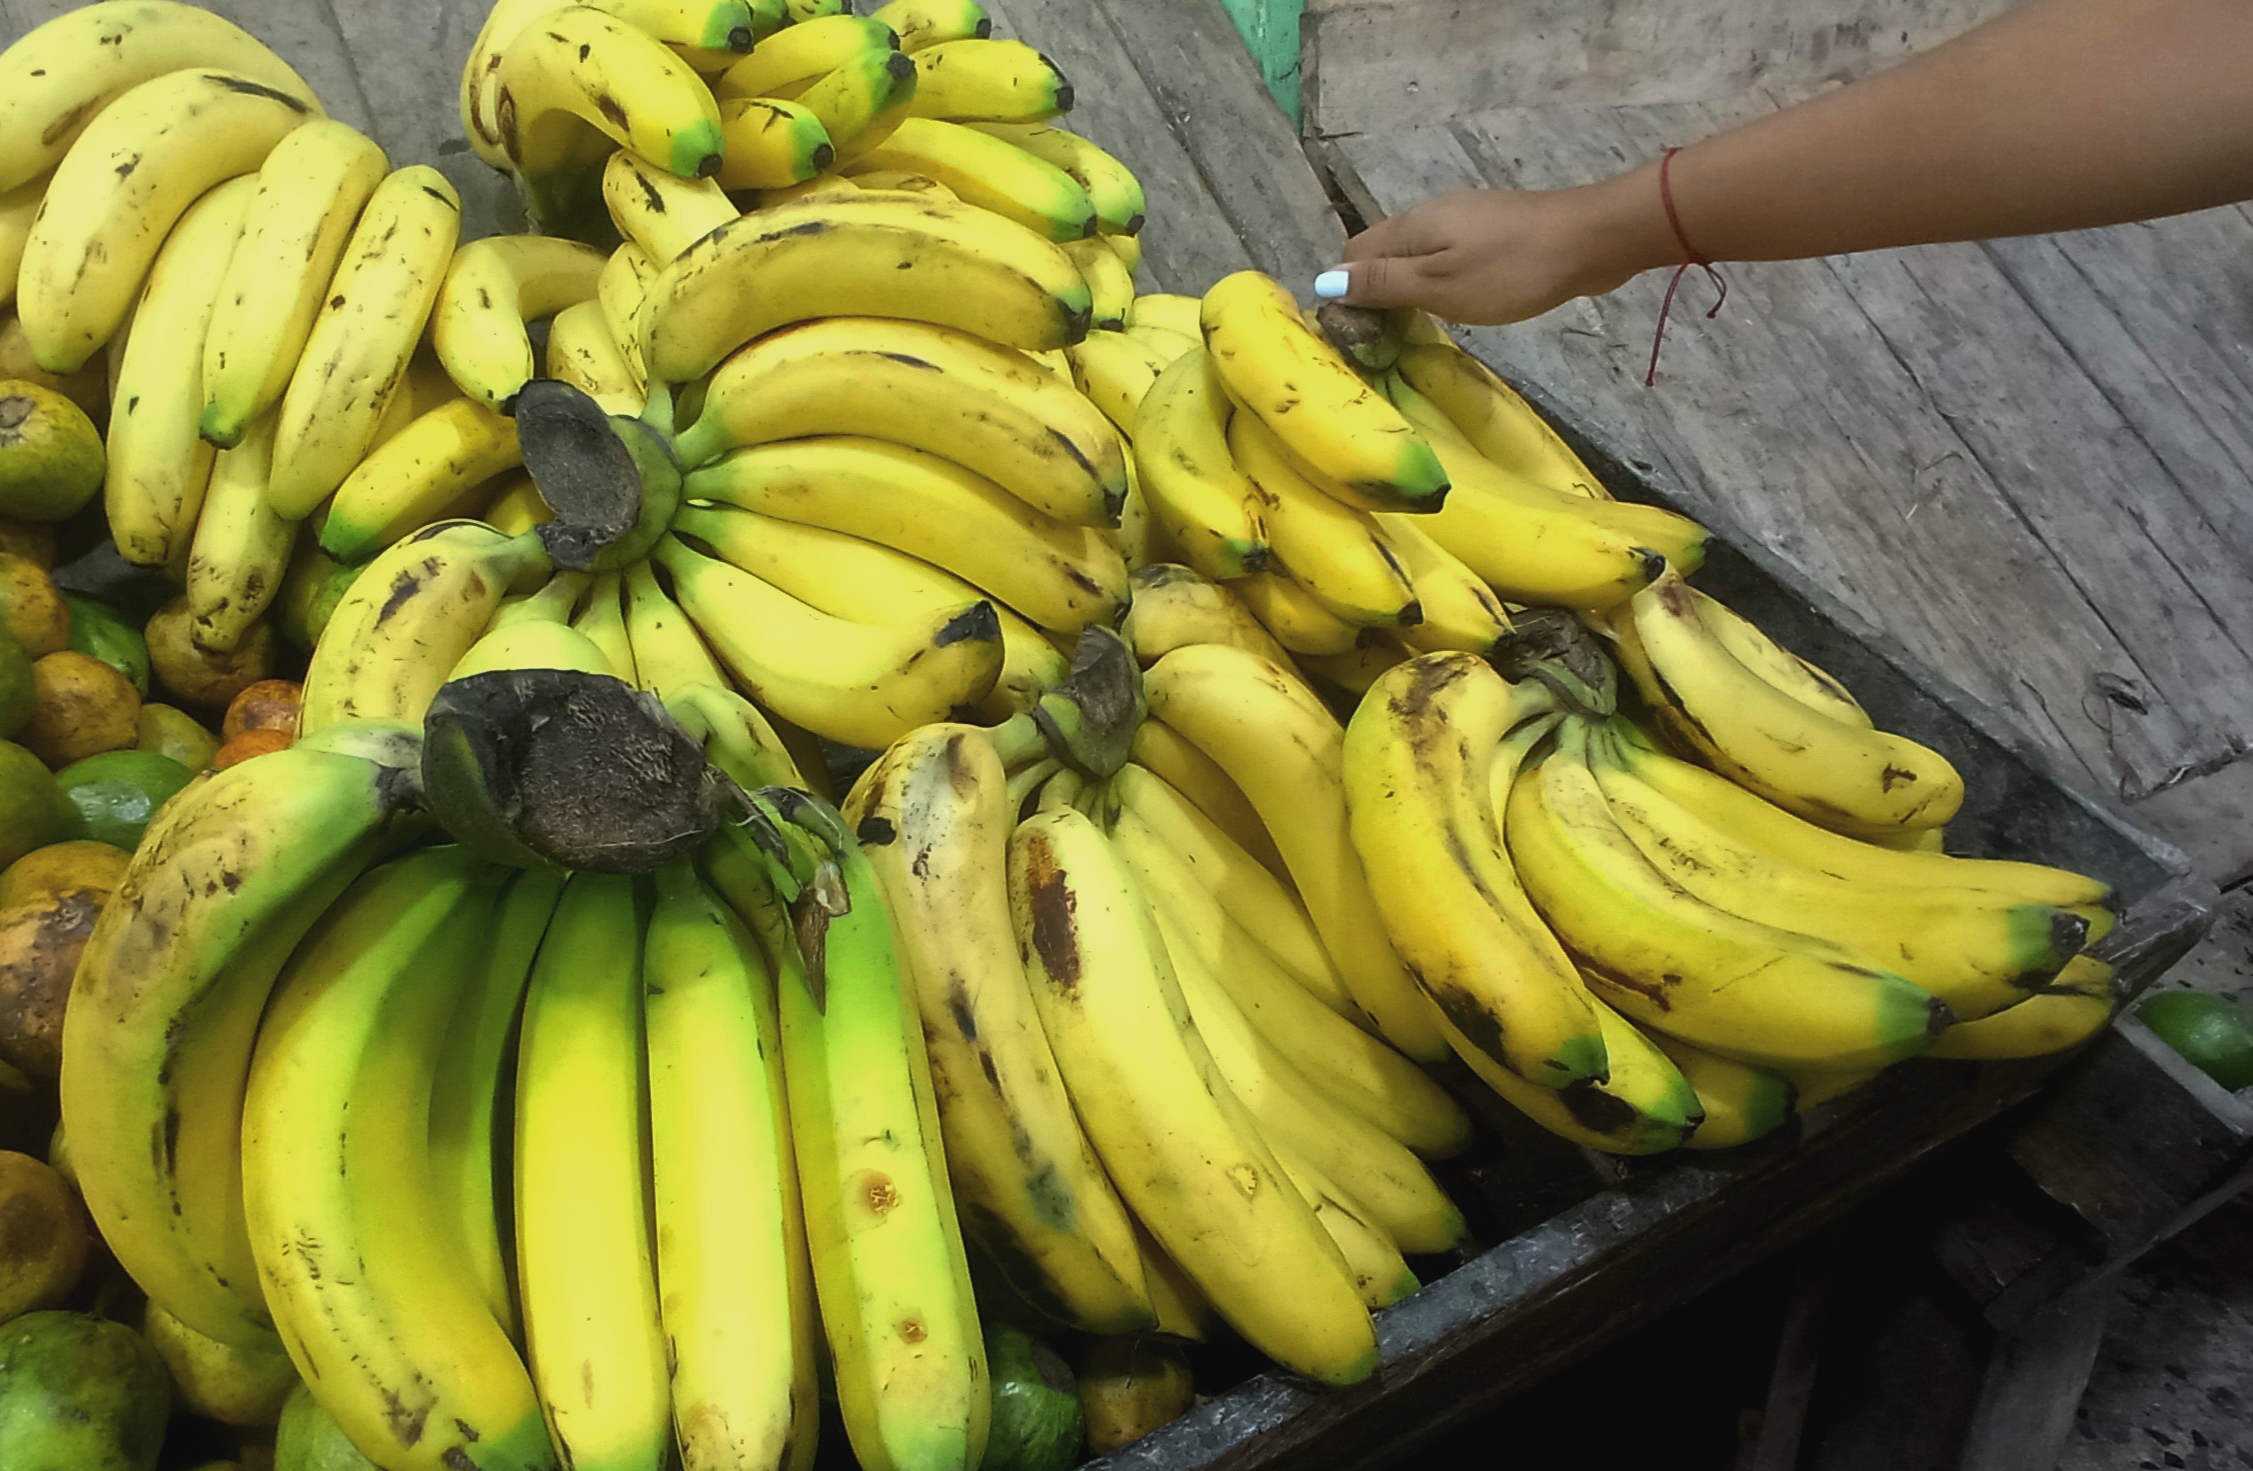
x: 1489, y: 256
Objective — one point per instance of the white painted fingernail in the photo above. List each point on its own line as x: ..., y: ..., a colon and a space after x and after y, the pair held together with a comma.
x: 1331, y: 285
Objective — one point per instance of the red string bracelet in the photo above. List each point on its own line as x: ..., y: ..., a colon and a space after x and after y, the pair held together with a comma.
x: 1691, y: 257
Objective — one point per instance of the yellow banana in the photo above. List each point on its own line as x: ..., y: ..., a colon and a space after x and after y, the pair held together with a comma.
x: 621, y: 289
x: 1460, y: 610
x: 241, y: 549
x: 990, y: 81
x: 1207, y: 506
x: 419, y: 475
x: 989, y: 173
x: 311, y: 190
x: 1062, y: 577
x: 1351, y: 674
x: 1491, y: 415
x: 583, y: 353
x: 1333, y: 425
x: 669, y: 656
x: 1645, y: 1106
x: 1173, y: 605
x: 1338, y: 553
x: 158, y: 466
x: 1160, y: 749
x: 366, y: 331
x: 1741, y: 1102
x: 797, y: 56
x: 1237, y: 709
x: 862, y: 101
x: 1299, y: 621
x: 1378, y: 1272
x: 2074, y: 1007
x: 1169, y: 313
x: 1778, y: 665
x: 662, y: 214
x: 1111, y: 186
x: 603, y: 623
x: 117, y: 194
x: 871, y: 256
x: 921, y: 23
x: 771, y: 144
x: 1115, y: 372
x: 493, y: 287
x: 930, y: 388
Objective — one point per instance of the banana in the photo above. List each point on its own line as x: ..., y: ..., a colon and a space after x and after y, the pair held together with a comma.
x: 158, y: 466
x: 1778, y: 665
x: 1062, y: 577
x: 987, y: 172
x: 311, y: 190
x: 583, y: 353
x: 1167, y: 343
x: 493, y: 287
x: 1299, y: 622
x: 1645, y: 1106
x: 1169, y: 313
x: 1753, y: 821
x: 719, y: 1131
x: 1128, y: 248
x: 603, y: 623
x: 1208, y: 507
x: 1174, y: 605
x: 921, y: 23
x: 1336, y: 427
x: 1115, y: 372
x: 930, y: 388
x: 1740, y: 1102
x: 669, y: 657
x: 241, y: 549
x: 466, y: 1106
x: 1972, y: 952
x: 771, y: 144
x: 1350, y: 675
x: 801, y: 11
x: 1729, y: 985
x: 1542, y: 546
x: 867, y: 256
x: 1819, y: 768
x: 1375, y: 1264
x: 1247, y: 888
x: 419, y: 475
x: 1287, y: 757
x: 796, y: 57
x: 934, y: 819
x: 858, y: 683
x: 859, y: 581
x: 1161, y: 750
x: 408, y: 619
x: 1184, y: 1152
x: 531, y: 646
x: 18, y: 208
x: 516, y: 506
x: 2072, y: 1009
x: 988, y: 81
x: 118, y: 193
x: 577, y: 81
x: 59, y: 76
x: 165, y: 1005
x: 861, y: 102
x: 1490, y: 414
x: 621, y: 288
x: 1339, y: 554
x: 730, y: 26
x: 662, y: 214
x: 894, y: 1285
x: 1460, y: 610
x: 1376, y: 1169
x: 359, y: 345
x: 1111, y: 186
x: 368, y: 1280
x: 583, y: 1250
x: 1424, y: 748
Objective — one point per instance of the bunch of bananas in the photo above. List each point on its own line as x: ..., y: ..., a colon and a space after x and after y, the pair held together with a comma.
x: 1124, y: 964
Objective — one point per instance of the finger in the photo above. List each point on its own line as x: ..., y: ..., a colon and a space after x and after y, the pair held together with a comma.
x: 1395, y: 235
x: 1384, y: 281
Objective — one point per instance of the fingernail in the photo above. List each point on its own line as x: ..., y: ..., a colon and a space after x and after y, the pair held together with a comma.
x: 1331, y: 285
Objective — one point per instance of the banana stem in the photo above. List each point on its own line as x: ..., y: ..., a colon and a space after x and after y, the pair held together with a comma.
x: 1018, y: 741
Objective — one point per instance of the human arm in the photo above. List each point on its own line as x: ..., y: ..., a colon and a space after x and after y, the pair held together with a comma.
x: 2059, y: 115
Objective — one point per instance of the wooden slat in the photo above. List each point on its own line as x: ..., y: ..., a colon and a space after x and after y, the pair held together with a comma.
x: 1378, y: 65
x: 2033, y: 1383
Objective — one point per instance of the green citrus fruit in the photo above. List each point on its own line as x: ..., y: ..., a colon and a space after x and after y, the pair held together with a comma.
x: 117, y: 792
x: 15, y: 685
x: 2211, y: 1034
x: 50, y: 453
x: 33, y: 811
x: 171, y: 731
x: 96, y: 628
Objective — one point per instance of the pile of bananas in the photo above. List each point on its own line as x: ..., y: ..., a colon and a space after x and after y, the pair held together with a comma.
x: 535, y: 1053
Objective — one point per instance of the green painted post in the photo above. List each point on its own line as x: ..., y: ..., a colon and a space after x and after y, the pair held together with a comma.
x: 1270, y: 29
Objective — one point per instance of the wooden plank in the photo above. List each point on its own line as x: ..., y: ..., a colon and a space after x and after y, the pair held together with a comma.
x: 1377, y: 65
x: 1794, y: 417
x: 2034, y: 1380
x: 1791, y: 1381
x: 1248, y: 153
x: 1189, y: 241
x: 1270, y: 29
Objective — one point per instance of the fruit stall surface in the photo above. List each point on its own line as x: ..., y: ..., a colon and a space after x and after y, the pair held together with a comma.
x: 1997, y: 490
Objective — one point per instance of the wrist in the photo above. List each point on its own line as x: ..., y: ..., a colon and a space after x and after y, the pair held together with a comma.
x: 1628, y: 231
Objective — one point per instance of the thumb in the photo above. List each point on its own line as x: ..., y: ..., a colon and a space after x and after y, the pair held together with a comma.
x: 1379, y: 281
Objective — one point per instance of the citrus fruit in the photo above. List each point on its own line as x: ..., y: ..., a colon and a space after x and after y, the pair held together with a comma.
x: 33, y: 812
x: 50, y: 453
x: 2211, y: 1034
x: 80, y: 863
x: 172, y: 731
x: 117, y: 792
x: 31, y: 607
x: 80, y: 707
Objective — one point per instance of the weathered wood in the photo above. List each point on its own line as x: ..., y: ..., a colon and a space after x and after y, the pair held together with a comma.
x: 2033, y: 1382
x: 1791, y: 1381
x: 1378, y: 65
